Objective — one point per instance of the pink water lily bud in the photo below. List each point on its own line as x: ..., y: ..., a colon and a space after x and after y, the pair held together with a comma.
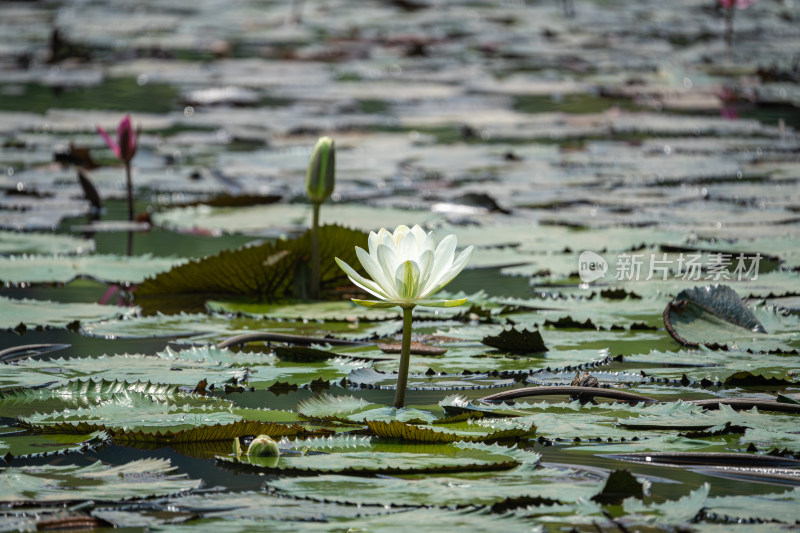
x: 127, y: 140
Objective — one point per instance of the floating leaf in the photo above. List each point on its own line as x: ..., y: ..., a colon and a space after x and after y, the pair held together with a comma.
x: 447, y: 521
x: 264, y: 506
x: 781, y: 507
x: 15, y: 243
x: 107, y: 268
x: 37, y: 445
x: 371, y: 378
x: 416, y: 348
x: 337, y: 311
x: 79, y: 393
x: 129, y: 409
x: 350, y: 409
x: 414, y: 433
x: 137, y: 479
x: 348, y: 455
x: 223, y: 432
x: 44, y: 313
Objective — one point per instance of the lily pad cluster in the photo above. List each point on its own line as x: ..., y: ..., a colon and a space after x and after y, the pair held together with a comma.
x: 650, y: 384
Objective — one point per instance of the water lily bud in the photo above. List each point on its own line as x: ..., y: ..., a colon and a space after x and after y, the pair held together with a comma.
x: 127, y: 139
x: 321, y: 173
x: 237, y: 447
x: 263, y: 446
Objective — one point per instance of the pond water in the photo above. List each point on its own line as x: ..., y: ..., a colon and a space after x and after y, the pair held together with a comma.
x: 629, y: 184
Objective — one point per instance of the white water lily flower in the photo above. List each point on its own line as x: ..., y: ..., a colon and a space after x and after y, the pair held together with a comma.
x: 407, y: 268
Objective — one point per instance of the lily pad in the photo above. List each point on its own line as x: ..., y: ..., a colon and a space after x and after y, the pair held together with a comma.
x: 13, y: 243
x: 349, y: 455
x: 338, y: 311
x: 109, y: 268
x: 137, y: 479
x: 32, y: 313
x: 38, y: 445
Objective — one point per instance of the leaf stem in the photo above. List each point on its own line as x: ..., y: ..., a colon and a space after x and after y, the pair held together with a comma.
x: 315, y: 252
x: 405, y: 358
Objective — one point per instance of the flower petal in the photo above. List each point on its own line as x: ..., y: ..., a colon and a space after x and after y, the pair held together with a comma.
x: 368, y: 285
x: 389, y: 262
x: 457, y: 266
x: 441, y: 303
x: 425, y: 267
x: 419, y: 235
x: 373, y: 242
x: 373, y: 268
x: 374, y: 304
x: 442, y: 260
x: 406, y: 278
x: 109, y: 141
x: 407, y: 248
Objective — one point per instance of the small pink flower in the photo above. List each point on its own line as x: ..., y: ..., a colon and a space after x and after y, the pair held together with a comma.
x: 738, y: 4
x: 125, y: 146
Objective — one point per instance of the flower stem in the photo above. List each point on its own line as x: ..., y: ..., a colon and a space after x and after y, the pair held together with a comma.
x: 130, y: 190
x: 729, y: 13
x: 315, y: 253
x: 405, y: 358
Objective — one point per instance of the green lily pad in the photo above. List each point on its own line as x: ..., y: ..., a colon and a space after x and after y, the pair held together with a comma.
x: 447, y: 521
x: 350, y: 409
x: 79, y: 393
x: 62, y: 269
x: 526, y: 481
x: 322, y: 311
x: 202, y: 328
x: 780, y: 507
x: 680, y: 511
x: 137, y: 479
x: 133, y: 367
x: 25, y: 445
x: 371, y: 378
x: 686, y: 416
x: 360, y: 455
x: 45, y: 313
x: 284, y: 219
x: 415, y: 433
x: 133, y: 410
x: 264, y: 506
x: 14, y: 243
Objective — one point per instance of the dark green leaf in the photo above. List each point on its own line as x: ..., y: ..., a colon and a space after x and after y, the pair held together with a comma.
x: 516, y: 341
